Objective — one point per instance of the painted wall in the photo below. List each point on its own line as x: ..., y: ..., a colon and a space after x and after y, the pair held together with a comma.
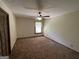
x: 12, y: 23
x: 25, y: 27
x: 64, y: 29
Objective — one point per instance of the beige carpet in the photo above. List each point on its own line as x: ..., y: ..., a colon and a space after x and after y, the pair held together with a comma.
x: 41, y: 48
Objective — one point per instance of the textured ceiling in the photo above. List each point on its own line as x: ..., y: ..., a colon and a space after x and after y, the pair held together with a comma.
x: 48, y: 7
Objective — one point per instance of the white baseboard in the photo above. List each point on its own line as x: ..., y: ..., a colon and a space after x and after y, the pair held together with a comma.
x: 60, y: 40
x: 4, y: 57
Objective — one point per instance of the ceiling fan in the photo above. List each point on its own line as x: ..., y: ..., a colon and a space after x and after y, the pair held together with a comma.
x: 40, y: 15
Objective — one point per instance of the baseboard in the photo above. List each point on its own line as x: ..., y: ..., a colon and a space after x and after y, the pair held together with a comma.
x: 29, y: 37
x: 61, y: 44
x: 4, y: 57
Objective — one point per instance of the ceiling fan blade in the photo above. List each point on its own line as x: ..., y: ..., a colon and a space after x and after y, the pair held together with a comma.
x: 46, y: 16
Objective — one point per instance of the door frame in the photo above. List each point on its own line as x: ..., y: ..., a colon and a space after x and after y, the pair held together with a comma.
x: 7, y: 42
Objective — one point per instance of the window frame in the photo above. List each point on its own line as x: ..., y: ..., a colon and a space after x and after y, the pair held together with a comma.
x: 35, y: 26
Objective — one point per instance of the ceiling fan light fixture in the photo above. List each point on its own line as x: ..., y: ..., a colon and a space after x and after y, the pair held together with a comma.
x: 39, y: 18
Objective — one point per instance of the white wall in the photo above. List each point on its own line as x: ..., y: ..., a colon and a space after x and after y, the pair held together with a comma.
x: 25, y: 27
x: 64, y: 29
x: 12, y: 23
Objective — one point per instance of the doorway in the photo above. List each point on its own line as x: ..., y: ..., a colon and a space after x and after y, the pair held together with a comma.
x: 4, y: 34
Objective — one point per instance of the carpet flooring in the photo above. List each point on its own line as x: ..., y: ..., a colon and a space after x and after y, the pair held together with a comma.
x: 41, y: 48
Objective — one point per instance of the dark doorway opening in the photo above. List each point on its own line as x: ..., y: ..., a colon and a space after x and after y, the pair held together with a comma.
x: 5, y: 49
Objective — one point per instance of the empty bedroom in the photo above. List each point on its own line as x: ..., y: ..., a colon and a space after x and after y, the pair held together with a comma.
x: 39, y: 29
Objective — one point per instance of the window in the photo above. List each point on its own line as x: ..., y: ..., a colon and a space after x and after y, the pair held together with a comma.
x: 38, y: 26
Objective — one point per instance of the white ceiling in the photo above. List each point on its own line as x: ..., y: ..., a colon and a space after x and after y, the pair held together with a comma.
x: 48, y: 7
